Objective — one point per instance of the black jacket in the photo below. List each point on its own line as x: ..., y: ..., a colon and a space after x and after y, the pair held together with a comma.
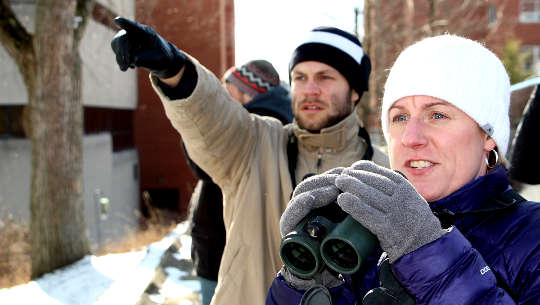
x: 524, y: 163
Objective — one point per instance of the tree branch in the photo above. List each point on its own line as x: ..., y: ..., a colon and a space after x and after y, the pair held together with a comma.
x: 14, y: 37
x: 83, y: 10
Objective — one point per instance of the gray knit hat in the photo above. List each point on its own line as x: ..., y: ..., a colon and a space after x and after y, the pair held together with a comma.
x: 254, y: 77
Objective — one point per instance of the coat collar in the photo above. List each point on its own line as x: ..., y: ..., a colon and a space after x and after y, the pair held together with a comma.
x: 474, y: 195
x: 334, y: 138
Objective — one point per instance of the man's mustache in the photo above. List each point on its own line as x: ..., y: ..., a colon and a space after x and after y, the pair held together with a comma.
x: 311, y: 101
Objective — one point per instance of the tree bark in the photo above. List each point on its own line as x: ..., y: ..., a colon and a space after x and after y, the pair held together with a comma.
x: 51, y: 68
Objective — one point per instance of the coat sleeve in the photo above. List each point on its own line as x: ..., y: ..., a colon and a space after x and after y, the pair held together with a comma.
x: 449, y: 271
x: 282, y: 294
x: 218, y: 133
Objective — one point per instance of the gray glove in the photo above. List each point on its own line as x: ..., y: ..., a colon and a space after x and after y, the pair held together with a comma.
x: 314, y: 192
x: 324, y: 278
x: 386, y: 203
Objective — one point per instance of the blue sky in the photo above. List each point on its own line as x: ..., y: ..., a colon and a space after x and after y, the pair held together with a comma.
x: 272, y: 29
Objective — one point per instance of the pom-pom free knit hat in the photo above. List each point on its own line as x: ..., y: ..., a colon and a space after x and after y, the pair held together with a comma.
x: 459, y: 71
x: 253, y: 78
x: 338, y: 49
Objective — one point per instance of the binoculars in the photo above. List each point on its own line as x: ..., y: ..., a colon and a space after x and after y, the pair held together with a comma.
x: 327, y: 236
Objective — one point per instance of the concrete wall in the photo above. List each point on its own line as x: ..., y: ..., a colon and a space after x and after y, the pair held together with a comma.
x: 15, y: 157
x: 104, y: 85
x: 106, y: 175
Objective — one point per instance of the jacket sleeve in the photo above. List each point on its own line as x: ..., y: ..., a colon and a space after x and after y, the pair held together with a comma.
x: 282, y: 294
x: 218, y: 133
x: 195, y: 169
x: 449, y: 271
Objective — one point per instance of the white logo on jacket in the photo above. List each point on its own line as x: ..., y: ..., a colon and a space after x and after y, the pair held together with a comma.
x: 484, y: 270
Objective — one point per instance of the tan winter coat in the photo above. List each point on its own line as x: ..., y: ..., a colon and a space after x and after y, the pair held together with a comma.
x: 246, y: 156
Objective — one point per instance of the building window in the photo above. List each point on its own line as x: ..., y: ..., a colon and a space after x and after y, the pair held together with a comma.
x: 118, y: 122
x: 492, y: 14
x: 11, y: 122
x: 529, y: 11
x: 532, y: 63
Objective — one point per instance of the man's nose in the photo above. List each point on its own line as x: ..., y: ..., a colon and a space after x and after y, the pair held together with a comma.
x: 312, y: 88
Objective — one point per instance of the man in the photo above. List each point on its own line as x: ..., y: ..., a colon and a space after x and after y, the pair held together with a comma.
x: 524, y: 167
x: 256, y: 86
x: 257, y: 161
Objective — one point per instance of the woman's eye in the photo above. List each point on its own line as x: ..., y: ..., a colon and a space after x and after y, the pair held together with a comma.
x: 438, y: 116
x: 399, y: 118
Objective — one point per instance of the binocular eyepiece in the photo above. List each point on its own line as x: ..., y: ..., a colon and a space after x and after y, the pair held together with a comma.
x: 327, y: 236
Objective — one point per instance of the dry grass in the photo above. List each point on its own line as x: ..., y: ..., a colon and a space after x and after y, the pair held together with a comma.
x: 15, y: 260
x: 152, y: 229
x: 14, y: 252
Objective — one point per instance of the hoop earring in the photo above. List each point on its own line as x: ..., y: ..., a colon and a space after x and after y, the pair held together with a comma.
x: 488, y: 158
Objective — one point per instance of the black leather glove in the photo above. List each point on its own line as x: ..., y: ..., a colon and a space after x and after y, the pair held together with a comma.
x: 138, y: 45
x: 391, y: 292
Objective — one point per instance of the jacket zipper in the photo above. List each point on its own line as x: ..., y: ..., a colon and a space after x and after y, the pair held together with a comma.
x: 319, y: 161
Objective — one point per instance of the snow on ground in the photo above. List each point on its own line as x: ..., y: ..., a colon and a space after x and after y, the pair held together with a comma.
x: 109, y: 279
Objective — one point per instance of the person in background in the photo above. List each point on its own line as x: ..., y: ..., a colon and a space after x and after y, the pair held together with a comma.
x: 452, y: 228
x: 524, y: 168
x: 256, y: 86
x: 255, y: 160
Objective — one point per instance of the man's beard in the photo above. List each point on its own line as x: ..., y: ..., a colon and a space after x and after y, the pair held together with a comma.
x: 341, y: 110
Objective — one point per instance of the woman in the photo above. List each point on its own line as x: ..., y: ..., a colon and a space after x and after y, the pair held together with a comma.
x: 445, y: 119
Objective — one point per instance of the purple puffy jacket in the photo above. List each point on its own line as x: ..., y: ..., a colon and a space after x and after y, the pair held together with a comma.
x: 490, y: 256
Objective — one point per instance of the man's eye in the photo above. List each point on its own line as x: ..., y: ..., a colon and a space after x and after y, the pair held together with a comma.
x: 298, y: 77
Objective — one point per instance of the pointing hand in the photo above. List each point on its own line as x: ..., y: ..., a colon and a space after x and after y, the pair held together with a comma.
x: 138, y: 45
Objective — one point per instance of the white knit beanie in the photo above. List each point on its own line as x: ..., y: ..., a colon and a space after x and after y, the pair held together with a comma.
x: 459, y: 71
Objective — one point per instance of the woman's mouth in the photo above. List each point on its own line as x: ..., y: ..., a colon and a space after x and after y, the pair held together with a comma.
x: 419, y: 164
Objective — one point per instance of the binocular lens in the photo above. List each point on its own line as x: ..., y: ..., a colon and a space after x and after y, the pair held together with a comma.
x: 300, y: 257
x: 341, y: 254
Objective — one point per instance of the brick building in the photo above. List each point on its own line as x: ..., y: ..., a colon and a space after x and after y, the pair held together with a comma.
x: 204, y: 29
x: 392, y: 25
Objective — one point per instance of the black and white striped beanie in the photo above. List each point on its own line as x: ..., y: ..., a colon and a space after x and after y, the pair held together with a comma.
x: 338, y: 49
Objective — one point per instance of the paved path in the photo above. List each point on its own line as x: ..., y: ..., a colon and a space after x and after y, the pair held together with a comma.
x: 174, y: 281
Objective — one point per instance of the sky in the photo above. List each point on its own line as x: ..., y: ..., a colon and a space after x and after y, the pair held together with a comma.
x: 111, y: 279
x: 271, y: 30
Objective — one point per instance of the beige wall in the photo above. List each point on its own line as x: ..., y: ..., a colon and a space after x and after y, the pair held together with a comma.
x: 104, y: 85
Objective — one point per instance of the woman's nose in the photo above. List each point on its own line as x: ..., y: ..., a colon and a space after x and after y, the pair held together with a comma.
x: 415, y: 134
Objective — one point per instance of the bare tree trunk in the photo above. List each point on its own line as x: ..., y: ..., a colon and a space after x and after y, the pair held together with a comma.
x: 58, y: 228
x: 50, y: 65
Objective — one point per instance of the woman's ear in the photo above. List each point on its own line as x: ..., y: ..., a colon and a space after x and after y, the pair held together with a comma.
x: 489, y: 143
